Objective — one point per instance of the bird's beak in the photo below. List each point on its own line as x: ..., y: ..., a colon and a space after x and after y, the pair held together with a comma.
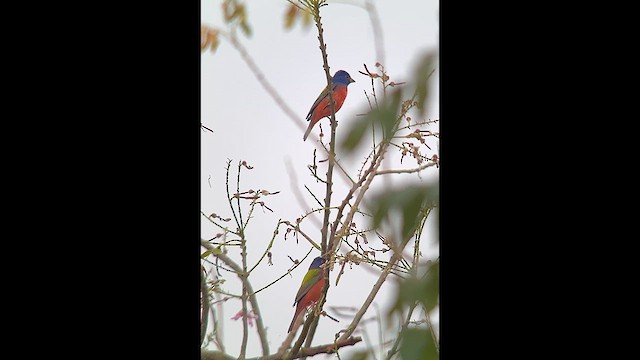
x: 351, y: 80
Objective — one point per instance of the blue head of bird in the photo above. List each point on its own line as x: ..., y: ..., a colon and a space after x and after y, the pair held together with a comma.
x: 316, y: 263
x: 342, y: 77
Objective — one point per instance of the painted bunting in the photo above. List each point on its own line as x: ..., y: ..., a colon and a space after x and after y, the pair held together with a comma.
x: 310, y: 289
x: 322, y: 107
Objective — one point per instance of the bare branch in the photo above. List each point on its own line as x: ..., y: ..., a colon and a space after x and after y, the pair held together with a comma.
x: 433, y: 333
x: 285, y: 274
x: 230, y: 198
x: 328, y: 348
x: 334, y: 124
x: 406, y: 171
x: 293, y: 181
x: 275, y: 233
x: 204, y: 317
x: 251, y: 296
x: 351, y: 328
x: 215, y: 355
x: 244, y: 277
x: 307, y: 238
x: 394, y: 348
x: 320, y: 349
x: 303, y: 334
x: 332, y: 155
x: 342, y: 169
x: 377, y: 31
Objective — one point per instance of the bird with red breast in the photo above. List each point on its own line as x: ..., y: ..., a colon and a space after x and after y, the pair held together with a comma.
x: 321, y: 108
x: 310, y: 289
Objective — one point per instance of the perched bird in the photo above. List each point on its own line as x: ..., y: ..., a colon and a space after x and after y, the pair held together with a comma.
x: 322, y: 107
x: 310, y: 289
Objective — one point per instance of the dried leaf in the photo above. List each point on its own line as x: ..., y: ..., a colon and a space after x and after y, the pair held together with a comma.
x: 290, y: 16
x: 208, y: 38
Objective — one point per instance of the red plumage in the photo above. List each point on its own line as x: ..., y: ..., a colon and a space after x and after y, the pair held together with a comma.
x: 309, y: 298
x: 321, y: 108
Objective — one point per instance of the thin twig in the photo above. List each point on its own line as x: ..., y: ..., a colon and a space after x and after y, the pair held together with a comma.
x: 414, y: 274
x: 240, y: 226
x: 250, y: 294
x: 303, y: 335
x: 204, y: 317
x: 308, y: 238
x: 311, y: 351
x: 328, y: 348
x: 406, y: 171
x: 344, y: 172
x: 245, y: 291
x: 394, y: 348
x: 230, y: 198
x: 216, y: 224
x: 285, y: 274
x: 275, y: 233
x: 293, y: 181
x: 332, y: 144
x: 377, y: 31
x: 433, y: 333
x: 316, y: 199
x: 352, y: 326
x: 218, y: 335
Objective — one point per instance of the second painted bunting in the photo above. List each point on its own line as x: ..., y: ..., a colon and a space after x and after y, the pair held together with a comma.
x: 322, y: 107
x: 310, y: 289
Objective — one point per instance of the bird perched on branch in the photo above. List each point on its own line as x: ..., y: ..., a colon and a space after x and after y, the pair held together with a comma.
x: 322, y: 107
x: 310, y: 289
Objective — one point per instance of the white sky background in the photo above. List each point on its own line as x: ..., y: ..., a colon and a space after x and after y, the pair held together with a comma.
x: 248, y: 125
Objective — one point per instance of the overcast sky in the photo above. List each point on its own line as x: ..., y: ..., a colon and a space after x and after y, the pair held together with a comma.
x: 248, y: 125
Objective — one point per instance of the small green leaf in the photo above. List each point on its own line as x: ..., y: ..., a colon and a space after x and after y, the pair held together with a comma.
x: 417, y: 344
x: 242, y: 15
x: 306, y: 20
x: 245, y: 28
x: 355, y: 134
x: 423, y: 290
x: 214, y: 251
x: 424, y: 68
x: 409, y: 201
x: 390, y: 113
x: 360, y: 355
x: 411, y: 204
x: 234, y: 11
x: 383, y: 118
x: 431, y: 287
x: 409, y: 292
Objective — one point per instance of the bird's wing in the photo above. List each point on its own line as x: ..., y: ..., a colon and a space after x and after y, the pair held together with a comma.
x: 322, y: 95
x: 310, y: 279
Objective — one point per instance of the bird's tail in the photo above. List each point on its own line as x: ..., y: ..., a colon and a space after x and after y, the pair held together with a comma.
x: 295, y: 317
x: 292, y: 322
x: 306, y: 133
